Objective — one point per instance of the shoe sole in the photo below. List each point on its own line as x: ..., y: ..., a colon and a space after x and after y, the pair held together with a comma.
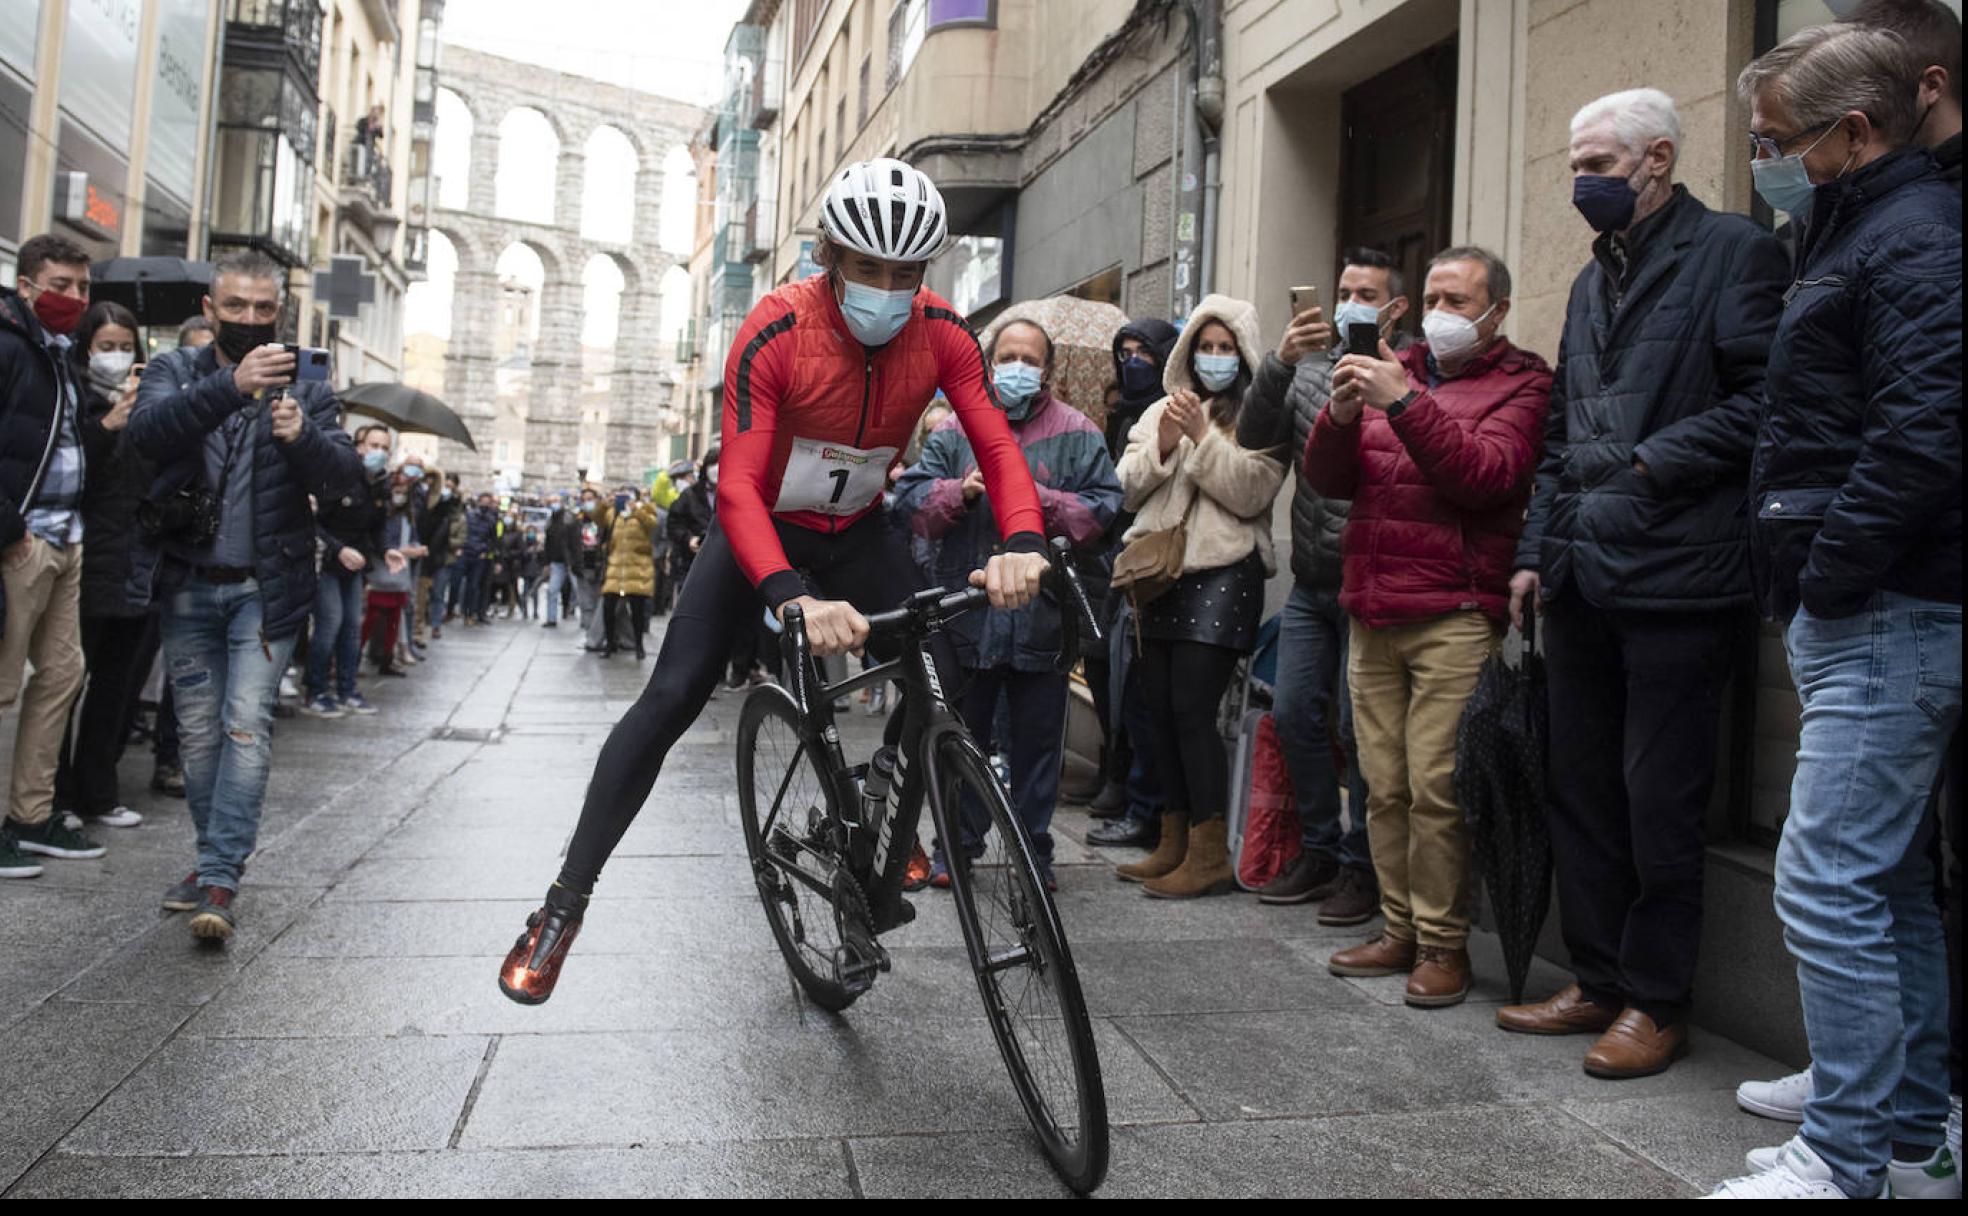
x: 22, y: 872
x: 1297, y: 897
x: 211, y: 927
x: 1436, y: 1002
x: 1342, y: 921
x: 65, y: 854
x: 1781, y: 1114
x: 518, y: 997
x: 1223, y: 887
x: 1560, y: 1033
x: 180, y: 905
x: 1629, y: 1074
x: 1365, y: 973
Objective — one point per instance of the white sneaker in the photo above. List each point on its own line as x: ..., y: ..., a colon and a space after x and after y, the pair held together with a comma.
x: 1782, y: 1099
x: 1798, y: 1173
x: 1934, y: 1178
x: 287, y: 687
x: 121, y: 817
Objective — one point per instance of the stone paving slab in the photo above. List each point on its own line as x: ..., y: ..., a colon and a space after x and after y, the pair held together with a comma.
x: 278, y: 1096
x: 773, y: 1169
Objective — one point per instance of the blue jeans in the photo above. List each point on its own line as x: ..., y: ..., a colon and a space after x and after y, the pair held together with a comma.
x: 224, y: 678
x: 476, y: 594
x: 1855, y: 886
x: 556, y: 579
x: 1310, y: 694
x: 337, y: 632
x: 1033, y: 734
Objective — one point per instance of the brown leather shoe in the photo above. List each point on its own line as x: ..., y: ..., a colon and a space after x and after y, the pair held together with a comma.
x: 1440, y: 977
x: 1636, y: 1046
x: 1567, y: 1013
x: 1205, y: 868
x: 1168, y: 854
x: 1384, y: 955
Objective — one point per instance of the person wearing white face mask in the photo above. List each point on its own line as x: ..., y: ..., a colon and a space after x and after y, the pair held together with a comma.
x: 117, y: 640
x: 1189, y: 482
x: 1435, y: 447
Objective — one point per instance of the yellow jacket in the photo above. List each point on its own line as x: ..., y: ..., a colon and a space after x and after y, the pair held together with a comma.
x: 631, y: 552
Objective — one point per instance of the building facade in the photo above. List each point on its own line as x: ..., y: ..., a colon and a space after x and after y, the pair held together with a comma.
x: 106, y: 113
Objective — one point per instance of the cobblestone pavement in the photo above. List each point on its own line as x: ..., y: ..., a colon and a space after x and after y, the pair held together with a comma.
x: 351, y: 1040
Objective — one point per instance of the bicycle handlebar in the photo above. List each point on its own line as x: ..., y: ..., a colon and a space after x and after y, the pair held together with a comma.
x: 928, y: 611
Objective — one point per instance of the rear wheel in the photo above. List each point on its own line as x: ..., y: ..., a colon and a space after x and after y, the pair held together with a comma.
x: 786, y: 804
x: 1024, y: 970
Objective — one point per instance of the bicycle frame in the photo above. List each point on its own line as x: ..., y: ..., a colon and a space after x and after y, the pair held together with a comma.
x: 926, y: 718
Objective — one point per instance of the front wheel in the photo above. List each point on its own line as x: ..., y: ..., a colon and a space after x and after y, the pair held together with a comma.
x: 787, y: 806
x: 1024, y: 970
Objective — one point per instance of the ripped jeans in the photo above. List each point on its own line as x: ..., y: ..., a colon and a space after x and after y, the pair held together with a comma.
x: 224, y: 678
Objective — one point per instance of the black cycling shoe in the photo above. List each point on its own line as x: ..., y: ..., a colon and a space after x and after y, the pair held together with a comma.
x: 532, y: 966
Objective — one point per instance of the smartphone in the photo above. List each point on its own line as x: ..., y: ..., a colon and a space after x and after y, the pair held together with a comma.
x: 1303, y: 298
x: 1363, y: 338
x: 310, y: 364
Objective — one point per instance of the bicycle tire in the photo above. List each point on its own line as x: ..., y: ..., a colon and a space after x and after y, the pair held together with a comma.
x: 769, y: 722
x: 1013, y: 885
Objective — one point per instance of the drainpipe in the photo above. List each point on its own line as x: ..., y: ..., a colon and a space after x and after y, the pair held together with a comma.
x: 1207, y: 31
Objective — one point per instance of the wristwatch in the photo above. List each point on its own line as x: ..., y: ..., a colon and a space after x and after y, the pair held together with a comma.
x: 1394, y: 410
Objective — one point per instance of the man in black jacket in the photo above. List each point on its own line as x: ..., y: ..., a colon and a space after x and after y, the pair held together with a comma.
x: 1855, y: 541
x: 229, y: 552
x: 350, y: 528
x: 1311, y: 702
x: 560, y: 529
x: 41, y: 483
x: 1634, y: 551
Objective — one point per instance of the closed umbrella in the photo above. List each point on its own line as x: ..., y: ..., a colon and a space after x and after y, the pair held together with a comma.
x: 1082, y: 333
x: 160, y: 291
x: 1500, y: 781
x: 407, y: 409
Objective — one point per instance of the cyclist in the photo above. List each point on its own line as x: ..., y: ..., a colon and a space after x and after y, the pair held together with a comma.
x: 823, y: 385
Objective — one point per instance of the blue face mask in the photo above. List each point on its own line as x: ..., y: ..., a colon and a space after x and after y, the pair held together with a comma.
x: 1783, y: 181
x: 874, y: 316
x: 1217, y: 371
x: 1018, y: 388
x: 373, y: 460
x: 1138, y: 375
x: 413, y: 472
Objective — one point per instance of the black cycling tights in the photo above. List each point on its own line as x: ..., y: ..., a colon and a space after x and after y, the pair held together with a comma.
x: 867, y: 564
x: 1182, y: 683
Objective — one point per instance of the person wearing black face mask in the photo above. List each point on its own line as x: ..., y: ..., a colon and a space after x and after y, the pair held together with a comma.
x: 1123, y: 788
x: 1636, y: 555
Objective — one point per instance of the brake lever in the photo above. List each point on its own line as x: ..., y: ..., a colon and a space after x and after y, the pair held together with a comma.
x: 793, y: 647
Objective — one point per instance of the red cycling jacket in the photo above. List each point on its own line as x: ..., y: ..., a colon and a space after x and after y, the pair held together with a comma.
x: 808, y: 411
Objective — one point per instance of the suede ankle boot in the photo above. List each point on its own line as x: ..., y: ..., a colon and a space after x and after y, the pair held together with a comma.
x: 1167, y: 855
x: 1205, y: 868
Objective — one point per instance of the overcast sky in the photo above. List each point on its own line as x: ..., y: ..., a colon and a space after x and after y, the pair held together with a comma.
x: 672, y: 47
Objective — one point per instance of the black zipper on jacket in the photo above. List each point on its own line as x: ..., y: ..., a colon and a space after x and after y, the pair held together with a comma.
x: 861, y: 427
x: 54, y: 436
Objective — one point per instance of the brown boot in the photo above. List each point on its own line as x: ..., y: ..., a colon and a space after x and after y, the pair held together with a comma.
x: 1167, y: 855
x: 1440, y: 977
x: 1384, y: 955
x: 1567, y: 1013
x: 1636, y: 1046
x: 1205, y: 869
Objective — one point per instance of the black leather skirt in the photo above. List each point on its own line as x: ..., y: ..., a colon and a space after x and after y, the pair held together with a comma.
x: 1223, y: 607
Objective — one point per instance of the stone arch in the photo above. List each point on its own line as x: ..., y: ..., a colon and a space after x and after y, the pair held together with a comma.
x: 611, y: 164
x: 673, y: 296
x: 530, y: 150
x: 452, y: 145
x: 462, y: 244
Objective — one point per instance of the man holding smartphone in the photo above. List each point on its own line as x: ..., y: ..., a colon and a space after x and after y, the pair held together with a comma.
x: 1286, y: 395
x: 231, y: 555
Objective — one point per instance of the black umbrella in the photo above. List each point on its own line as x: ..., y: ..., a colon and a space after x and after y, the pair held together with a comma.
x: 1500, y: 776
x: 407, y: 409
x: 161, y: 291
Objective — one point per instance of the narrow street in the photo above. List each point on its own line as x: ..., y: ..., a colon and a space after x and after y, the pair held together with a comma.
x: 351, y: 1039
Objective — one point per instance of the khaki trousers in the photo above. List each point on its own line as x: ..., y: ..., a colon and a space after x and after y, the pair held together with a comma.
x: 43, y: 627
x: 1409, y: 684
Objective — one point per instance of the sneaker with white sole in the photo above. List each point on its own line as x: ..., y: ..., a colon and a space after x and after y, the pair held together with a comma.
x: 1934, y: 1178
x: 53, y: 837
x: 183, y: 896
x: 1783, y: 1098
x: 1954, y: 1126
x: 1797, y: 1172
x: 323, y: 706
x: 288, y: 689
x: 356, y: 703
x: 121, y: 817
x: 13, y: 862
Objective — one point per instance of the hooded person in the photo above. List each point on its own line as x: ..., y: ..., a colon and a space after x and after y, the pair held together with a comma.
x: 1187, y: 478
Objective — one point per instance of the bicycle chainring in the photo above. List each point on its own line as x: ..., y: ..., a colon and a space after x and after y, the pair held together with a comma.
x: 859, y: 957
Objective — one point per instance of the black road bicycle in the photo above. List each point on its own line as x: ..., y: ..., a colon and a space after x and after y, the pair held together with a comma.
x: 829, y: 845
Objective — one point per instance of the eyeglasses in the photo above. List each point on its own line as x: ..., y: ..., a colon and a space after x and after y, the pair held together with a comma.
x: 1762, y: 147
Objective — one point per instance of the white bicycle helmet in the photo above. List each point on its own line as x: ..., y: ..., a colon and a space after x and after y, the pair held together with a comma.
x: 885, y: 209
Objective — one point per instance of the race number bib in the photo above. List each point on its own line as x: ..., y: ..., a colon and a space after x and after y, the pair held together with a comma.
x: 832, y: 478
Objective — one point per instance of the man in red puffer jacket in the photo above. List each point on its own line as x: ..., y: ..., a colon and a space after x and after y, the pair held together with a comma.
x: 1436, y: 446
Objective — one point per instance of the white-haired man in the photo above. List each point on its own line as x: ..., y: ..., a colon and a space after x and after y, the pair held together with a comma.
x: 1636, y: 554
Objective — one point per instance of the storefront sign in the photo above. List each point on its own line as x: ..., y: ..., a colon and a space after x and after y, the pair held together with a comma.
x: 99, y: 67
x: 84, y: 204
x: 176, y: 117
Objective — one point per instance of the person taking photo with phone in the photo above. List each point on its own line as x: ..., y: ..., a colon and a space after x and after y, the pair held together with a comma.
x: 228, y: 551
